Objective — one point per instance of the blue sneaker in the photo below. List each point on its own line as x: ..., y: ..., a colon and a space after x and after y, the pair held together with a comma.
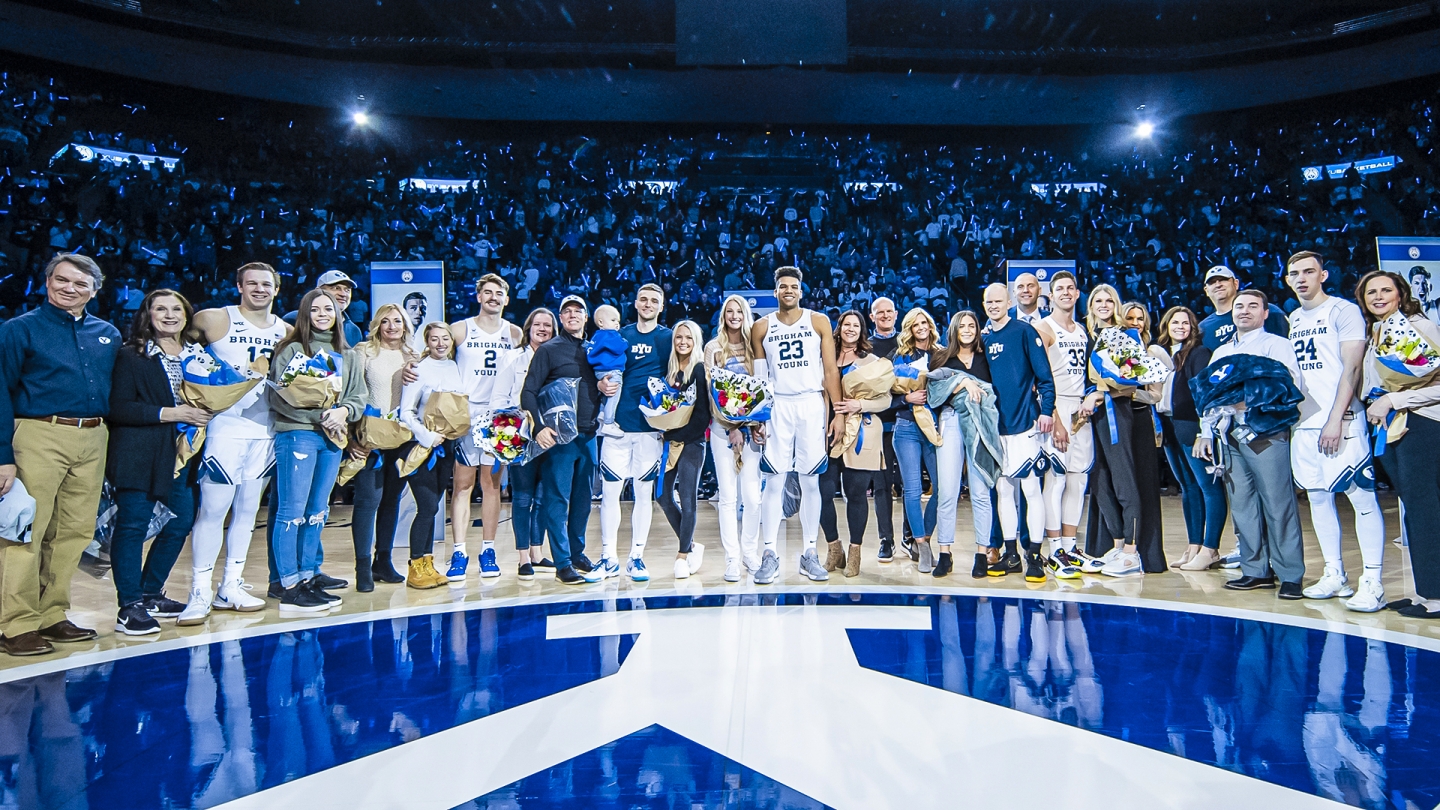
x: 636, y: 569
x: 488, y: 566
x: 458, y: 565
x: 602, y: 570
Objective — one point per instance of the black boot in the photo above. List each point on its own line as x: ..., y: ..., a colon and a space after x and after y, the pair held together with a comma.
x: 364, y: 579
x: 382, y: 569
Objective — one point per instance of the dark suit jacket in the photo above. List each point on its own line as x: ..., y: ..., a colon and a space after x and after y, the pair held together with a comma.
x: 141, y: 454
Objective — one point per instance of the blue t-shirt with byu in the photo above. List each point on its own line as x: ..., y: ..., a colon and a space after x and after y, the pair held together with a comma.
x: 1217, y: 330
x: 648, y: 356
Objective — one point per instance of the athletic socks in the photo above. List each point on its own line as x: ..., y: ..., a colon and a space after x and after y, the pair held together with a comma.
x: 1010, y: 547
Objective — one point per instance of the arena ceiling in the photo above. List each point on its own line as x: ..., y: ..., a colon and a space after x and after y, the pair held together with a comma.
x: 1064, y: 36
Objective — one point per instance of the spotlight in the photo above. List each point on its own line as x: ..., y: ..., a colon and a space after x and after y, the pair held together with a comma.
x: 360, y: 119
x: 1144, y: 129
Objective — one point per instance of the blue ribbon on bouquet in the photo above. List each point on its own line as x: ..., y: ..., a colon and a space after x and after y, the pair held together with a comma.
x: 860, y: 439
x: 437, y: 452
x: 1110, y: 418
x: 1382, y: 432
x: 379, y: 459
x: 664, y: 462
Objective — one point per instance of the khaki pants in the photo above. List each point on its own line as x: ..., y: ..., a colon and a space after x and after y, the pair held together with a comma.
x: 63, y: 468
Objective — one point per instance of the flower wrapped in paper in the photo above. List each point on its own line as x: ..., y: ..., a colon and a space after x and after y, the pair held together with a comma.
x: 311, y: 382
x: 446, y: 413
x: 187, y: 444
x: 740, y: 399
x: 865, y: 381
x: 1118, y: 365
x: 909, y: 379
x: 504, y: 435
x: 381, y: 431
x: 1404, y: 360
x: 666, y: 407
x: 212, y: 384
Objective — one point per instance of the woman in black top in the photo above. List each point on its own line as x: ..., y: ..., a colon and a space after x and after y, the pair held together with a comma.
x: 1202, y: 496
x: 687, y: 445
x: 145, y: 406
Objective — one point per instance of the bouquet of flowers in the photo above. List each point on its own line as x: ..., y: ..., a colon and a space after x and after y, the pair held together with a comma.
x: 187, y: 444
x: 446, y: 413
x: 505, y: 434
x: 210, y: 383
x: 666, y: 407
x: 869, y: 381
x: 1404, y: 360
x: 740, y: 399
x: 1119, y: 363
x: 381, y: 431
x: 311, y: 382
x: 908, y: 379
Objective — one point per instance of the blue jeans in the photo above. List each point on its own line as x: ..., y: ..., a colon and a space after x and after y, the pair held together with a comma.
x: 1201, y: 496
x: 306, y: 464
x: 911, y: 450
x: 525, y: 515
x: 135, y: 580
x: 565, y: 472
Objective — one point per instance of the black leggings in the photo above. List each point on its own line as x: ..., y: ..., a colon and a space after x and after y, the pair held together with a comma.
x: 1125, y: 485
x: 377, y: 505
x: 857, y: 484
x: 426, y: 484
x: 685, y: 476
x: 1412, y: 465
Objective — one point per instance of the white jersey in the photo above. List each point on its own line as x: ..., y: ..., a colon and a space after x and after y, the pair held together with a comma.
x: 792, y: 355
x: 479, y: 356
x: 1068, y: 358
x: 243, y: 344
x: 1316, y: 335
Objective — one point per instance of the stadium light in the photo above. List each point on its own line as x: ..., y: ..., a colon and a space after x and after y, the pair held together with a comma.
x: 1144, y: 129
x: 360, y: 118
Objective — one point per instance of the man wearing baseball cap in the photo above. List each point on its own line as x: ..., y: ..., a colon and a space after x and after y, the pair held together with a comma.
x: 340, y: 287
x: 1221, y: 286
x: 565, y: 467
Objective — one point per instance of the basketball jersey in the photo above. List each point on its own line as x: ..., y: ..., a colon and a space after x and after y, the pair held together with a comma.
x: 478, y: 357
x: 243, y: 344
x: 1316, y: 336
x: 1068, y: 357
x: 792, y: 354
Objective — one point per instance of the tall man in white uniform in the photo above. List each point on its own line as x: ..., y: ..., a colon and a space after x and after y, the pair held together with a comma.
x: 480, y: 343
x: 630, y: 450
x: 239, y: 454
x: 1329, y: 449
x: 795, y: 349
x: 1071, y: 454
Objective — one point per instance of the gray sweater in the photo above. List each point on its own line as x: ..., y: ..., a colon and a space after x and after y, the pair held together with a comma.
x: 353, y: 393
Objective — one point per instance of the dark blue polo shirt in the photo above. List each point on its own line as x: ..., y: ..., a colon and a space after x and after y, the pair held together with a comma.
x: 52, y: 364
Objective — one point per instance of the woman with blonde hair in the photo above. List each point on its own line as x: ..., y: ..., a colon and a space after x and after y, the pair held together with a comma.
x: 919, y: 339
x: 436, y: 371
x: 378, y: 487
x: 687, y: 445
x: 737, y: 458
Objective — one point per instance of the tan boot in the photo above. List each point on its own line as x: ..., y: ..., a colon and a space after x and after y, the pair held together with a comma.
x: 1185, y: 558
x: 1204, y: 559
x: 416, y: 576
x: 439, y: 579
x: 852, y: 561
x: 834, y: 556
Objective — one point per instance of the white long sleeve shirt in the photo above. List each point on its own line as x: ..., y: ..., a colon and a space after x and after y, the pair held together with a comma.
x: 510, y: 379
x: 433, y: 375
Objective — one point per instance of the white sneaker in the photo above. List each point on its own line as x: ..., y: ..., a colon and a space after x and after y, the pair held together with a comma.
x: 682, y: 569
x: 1370, y: 598
x: 1231, y: 561
x: 197, y: 610
x: 1095, y: 565
x: 732, y: 570
x: 233, y: 596
x: 1332, y: 584
x: 696, y: 556
x: 1123, y: 565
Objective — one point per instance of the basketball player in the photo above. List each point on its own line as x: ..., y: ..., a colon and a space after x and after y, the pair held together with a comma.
x: 1071, y: 454
x: 480, y: 343
x: 239, y: 453
x: 1025, y: 398
x: 795, y: 350
x: 1329, y: 450
x: 629, y: 448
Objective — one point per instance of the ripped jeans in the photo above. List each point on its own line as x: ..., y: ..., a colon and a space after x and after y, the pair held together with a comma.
x: 305, y: 468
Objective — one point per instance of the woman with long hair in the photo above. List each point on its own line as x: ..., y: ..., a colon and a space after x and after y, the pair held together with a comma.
x: 1202, y: 497
x: 1410, y: 460
x: 737, y: 458
x: 964, y: 352
x: 306, y: 451
x: 918, y: 339
x: 1121, y: 507
x: 437, y: 371
x: 861, y: 468
x: 378, y: 486
x: 145, y: 406
x: 525, y: 522
x: 687, y: 445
